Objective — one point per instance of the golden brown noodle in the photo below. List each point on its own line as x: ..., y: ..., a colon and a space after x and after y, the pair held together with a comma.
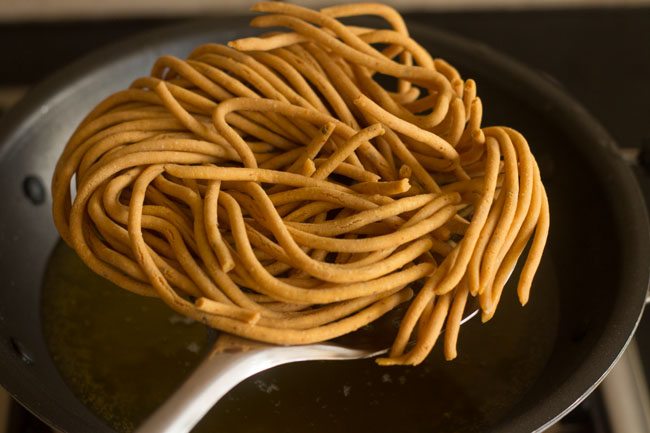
x: 274, y: 189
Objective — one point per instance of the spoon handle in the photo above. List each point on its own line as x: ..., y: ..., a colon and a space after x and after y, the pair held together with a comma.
x: 220, y: 372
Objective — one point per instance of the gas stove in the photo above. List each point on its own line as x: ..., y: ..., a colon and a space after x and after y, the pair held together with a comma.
x: 561, y: 44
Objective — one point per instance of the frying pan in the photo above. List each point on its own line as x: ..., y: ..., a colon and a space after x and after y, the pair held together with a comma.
x: 599, y: 249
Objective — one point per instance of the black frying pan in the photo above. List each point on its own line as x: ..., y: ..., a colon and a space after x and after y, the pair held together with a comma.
x: 595, y: 267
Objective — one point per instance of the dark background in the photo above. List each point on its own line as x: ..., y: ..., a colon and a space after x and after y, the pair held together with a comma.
x: 601, y: 56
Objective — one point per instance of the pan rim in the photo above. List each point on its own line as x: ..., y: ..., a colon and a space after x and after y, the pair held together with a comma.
x: 632, y: 221
x: 633, y: 227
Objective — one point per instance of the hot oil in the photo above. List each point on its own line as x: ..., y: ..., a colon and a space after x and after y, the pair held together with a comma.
x: 123, y: 354
x: 120, y: 353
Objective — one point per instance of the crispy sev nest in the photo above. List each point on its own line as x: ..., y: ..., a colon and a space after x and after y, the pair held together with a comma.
x: 275, y: 190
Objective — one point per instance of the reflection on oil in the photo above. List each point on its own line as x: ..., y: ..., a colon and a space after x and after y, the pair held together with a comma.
x: 123, y: 354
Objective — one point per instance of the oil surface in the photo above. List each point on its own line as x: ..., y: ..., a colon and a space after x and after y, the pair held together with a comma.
x: 122, y: 354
